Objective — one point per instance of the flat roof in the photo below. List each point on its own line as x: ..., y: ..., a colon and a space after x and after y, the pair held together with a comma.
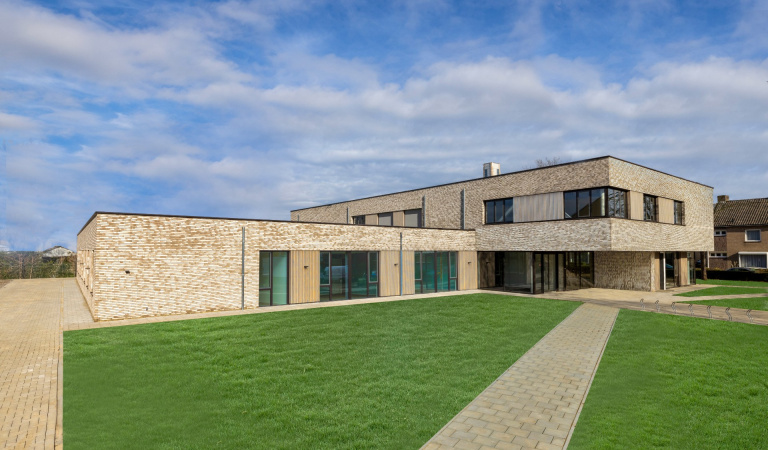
x: 501, y: 175
x: 111, y: 213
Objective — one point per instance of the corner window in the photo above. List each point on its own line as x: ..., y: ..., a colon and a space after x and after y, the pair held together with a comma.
x: 385, y: 219
x: 617, y: 203
x: 358, y: 220
x: 649, y: 208
x: 752, y: 236
x: 679, y: 213
x: 413, y: 218
x: 719, y: 232
x: 596, y: 202
x: 499, y: 211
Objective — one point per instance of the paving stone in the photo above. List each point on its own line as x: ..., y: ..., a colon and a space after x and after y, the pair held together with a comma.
x: 538, y: 398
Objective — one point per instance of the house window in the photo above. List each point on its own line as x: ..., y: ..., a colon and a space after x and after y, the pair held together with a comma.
x: 649, y: 208
x: 385, y: 219
x: 273, y: 278
x: 679, y: 213
x: 752, y: 235
x: 717, y: 254
x: 755, y: 260
x: 413, y: 218
x: 719, y: 232
x: 499, y: 211
x: 358, y: 220
x: 597, y: 202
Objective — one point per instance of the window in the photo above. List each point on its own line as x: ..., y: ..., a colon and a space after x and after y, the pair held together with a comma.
x: 679, y: 215
x: 358, y: 220
x: 499, y: 211
x: 752, y: 235
x: 617, y: 203
x: 596, y: 202
x: 649, y: 208
x: 413, y: 218
x: 273, y: 278
x: 435, y: 271
x: 717, y: 254
x: 348, y: 275
x: 719, y: 232
x: 385, y: 219
x: 755, y: 260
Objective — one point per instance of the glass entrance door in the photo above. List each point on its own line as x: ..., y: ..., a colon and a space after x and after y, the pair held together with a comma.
x: 345, y: 275
x: 670, y: 270
x: 435, y: 271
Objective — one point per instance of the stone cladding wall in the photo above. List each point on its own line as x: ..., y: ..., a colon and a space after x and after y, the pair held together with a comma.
x: 624, y: 270
x: 86, y: 244
x: 443, y: 203
x: 156, y: 265
x: 555, y: 236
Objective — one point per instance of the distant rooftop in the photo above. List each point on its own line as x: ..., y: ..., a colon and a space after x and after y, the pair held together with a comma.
x: 734, y: 213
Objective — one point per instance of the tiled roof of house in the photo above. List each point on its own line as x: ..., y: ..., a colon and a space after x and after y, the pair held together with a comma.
x: 734, y: 213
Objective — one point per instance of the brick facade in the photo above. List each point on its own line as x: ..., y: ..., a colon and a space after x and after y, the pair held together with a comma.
x: 734, y: 242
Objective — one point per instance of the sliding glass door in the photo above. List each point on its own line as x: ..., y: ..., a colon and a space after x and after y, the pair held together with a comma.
x: 348, y: 275
x: 273, y: 278
x: 435, y: 271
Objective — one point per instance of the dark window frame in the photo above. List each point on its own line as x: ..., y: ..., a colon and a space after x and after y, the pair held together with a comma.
x: 605, y: 192
x: 348, y: 256
x: 358, y: 220
x: 654, y: 217
x: 391, y: 219
x: 679, y: 212
x: 271, y: 277
x: 505, y: 218
x: 419, y: 282
x: 420, y: 218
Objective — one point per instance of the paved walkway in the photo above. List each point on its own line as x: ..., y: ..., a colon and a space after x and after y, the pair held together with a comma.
x: 31, y: 321
x: 536, y: 402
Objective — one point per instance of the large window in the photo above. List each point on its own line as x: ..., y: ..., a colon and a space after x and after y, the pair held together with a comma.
x: 649, y: 208
x: 752, y: 235
x: 435, y: 271
x: 597, y: 202
x: 579, y: 270
x: 413, y: 218
x: 755, y: 260
x: 679, y: 213
x: 273, y: 278
x: 348, y: 275
x: 358, y: 220
x: 499, y: 211
x: 385, y: 219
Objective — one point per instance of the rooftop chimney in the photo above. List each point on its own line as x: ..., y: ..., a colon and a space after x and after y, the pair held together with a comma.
x: 722, y: 198
x: 491, y: 169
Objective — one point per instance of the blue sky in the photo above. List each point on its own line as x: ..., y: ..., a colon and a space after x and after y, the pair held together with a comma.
x: 251, y: 109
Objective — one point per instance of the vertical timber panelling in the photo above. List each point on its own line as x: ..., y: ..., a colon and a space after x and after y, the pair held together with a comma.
x: 467, y: 270
x: 409, y: 283
x: 372, y: 219
x: 398, y: 218
x: 636, y: 205
x: 666, y: 210
x: 389, y: 282
x: 683, y: 270
x: 305, y: 276
x: 486, y: 269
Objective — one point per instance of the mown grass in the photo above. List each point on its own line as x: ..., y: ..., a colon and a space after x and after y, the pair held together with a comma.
x: 385, y: 375
x: 723, y: 290
x: 761, y: 284
x: 757, y: 303
x: 676, y: 382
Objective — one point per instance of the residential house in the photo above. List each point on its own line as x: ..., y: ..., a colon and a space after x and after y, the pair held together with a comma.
x: 741, y: 233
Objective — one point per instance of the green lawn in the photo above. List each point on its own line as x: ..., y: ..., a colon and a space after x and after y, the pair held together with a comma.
x: 723, y: 290
x: 759, y: 303
x: 386, y: 375
x: 676, y: 382
x: 761, y: 284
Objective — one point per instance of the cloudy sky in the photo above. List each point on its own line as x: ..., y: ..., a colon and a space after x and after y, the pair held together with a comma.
x: 251, y: 109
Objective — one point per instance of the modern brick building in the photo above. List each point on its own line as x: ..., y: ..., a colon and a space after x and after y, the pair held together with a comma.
x: 601, y: 222
x: 740, y: 226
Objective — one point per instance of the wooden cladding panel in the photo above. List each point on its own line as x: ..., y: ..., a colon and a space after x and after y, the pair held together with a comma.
x: 409, y: 282
x: 389, y: 269
x: 467, y: 270
x: 683, y: 270
x: 539, y: 207
x: 372, y: 219
x: 304, y: 281
x: 486, y: 267
x: 398, y: 218
x: 636, y: 205
x: 666, y: 210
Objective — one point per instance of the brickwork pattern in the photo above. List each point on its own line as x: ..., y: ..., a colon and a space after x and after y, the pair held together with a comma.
x: 735, y: 241
x: 624, y: 270
x: 555, y: 236
x: 154, y: 265
x: 535, y: 403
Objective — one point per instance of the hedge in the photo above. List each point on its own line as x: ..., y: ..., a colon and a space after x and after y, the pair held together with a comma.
x: 714, y: 274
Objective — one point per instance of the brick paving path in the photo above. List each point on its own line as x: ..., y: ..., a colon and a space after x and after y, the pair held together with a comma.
x: 31, y: 321
x: 536, y: 402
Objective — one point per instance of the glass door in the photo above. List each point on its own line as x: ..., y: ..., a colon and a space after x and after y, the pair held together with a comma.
x: 338, y: 276
x: 273, y: 278
x: 669, y: 270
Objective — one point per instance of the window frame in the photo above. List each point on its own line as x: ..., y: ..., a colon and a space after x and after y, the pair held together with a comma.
x: 655, y: 212
x: 602, y: 191
x: 759, y: 235
x: 720, y: 233
x: 391, y: 216
x: 718, y: 255
x: 358, y: 220
x: 419, y: 220
x: 504, y: 216
x: 678, y: 210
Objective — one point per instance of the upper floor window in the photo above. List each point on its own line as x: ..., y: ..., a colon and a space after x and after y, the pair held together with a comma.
x: 649, y: 208
x: 717, y: 254
x: 752, y: 235
x: 358, y: 220
x: 597, y: 202
x: 413, y: 218
x: 385, y: 219
x: 679, y: 213
x: 719, y: 232
x: 499, y: 211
